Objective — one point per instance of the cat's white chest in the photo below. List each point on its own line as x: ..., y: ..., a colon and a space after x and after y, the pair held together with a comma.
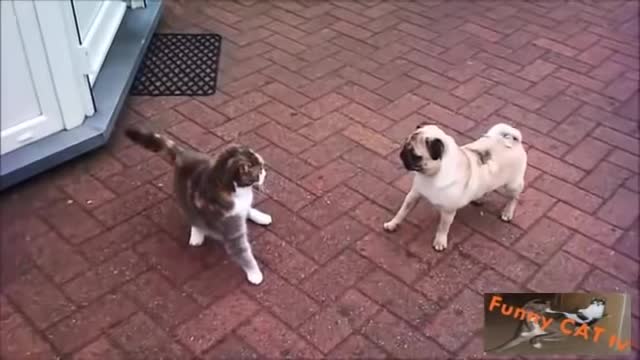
x: 594, y: 311
x: 242, y: 199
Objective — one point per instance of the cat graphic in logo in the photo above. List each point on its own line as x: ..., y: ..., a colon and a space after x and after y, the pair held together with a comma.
x: 589, y: 315
x: 536, y: 328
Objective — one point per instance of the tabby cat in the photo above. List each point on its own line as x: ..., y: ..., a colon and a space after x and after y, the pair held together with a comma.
x: 215, y: 194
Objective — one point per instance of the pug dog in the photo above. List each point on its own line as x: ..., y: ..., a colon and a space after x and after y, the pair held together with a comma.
x: 451, y: 176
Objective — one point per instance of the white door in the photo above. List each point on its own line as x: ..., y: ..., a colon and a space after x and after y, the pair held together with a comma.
x: 97, y: 22
x: 29, y: 110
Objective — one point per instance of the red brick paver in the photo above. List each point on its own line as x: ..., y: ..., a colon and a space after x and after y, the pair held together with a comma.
x: 95, y: 261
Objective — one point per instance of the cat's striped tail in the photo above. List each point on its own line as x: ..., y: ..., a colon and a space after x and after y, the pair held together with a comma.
x: 153, y: 141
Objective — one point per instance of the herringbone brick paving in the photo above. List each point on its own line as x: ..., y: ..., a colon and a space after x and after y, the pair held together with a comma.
x: 95, y: 258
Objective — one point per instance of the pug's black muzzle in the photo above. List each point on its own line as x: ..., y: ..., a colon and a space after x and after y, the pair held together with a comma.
x: 410, y: 160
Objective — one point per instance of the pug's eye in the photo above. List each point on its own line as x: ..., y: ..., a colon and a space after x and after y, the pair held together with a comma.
x: 415, y: 157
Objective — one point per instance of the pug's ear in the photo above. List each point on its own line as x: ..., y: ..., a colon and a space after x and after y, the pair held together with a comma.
x: 435, y: 147
x: 422, y: 124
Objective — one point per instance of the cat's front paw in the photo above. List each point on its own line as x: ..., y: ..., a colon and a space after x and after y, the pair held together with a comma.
x: 263, y: 219
x: 196, y: 241
x: 255, y: 277
x: 196, y: 238
x: 260, y: 218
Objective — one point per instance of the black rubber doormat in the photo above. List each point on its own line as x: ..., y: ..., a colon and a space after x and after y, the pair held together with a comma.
x: 179, y: 65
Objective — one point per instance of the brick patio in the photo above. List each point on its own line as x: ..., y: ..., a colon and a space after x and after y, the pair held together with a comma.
x: 95, y: 261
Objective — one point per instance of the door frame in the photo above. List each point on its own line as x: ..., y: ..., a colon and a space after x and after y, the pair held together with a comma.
x: 75, y: 95
x: 95, y: 46
x: 36, y: 58
x: 110, y: 90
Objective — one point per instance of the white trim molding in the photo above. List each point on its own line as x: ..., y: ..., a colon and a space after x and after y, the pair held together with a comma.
x: 137, y: 4
x: 60, y: 40
x: 95, y: 46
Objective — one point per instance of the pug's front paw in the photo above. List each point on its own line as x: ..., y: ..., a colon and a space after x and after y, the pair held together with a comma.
x: 390, y: 226
x: 440, y: 243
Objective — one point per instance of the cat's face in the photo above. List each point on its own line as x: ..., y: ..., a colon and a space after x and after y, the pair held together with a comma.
x: 246, y: 167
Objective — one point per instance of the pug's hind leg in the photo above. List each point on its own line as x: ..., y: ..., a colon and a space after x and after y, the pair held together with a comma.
x: 479, y: 201
x: 513, y: 191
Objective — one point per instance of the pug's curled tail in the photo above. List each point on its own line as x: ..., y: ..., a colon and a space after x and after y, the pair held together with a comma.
x: 153, y: 141
x: 507, y: 132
